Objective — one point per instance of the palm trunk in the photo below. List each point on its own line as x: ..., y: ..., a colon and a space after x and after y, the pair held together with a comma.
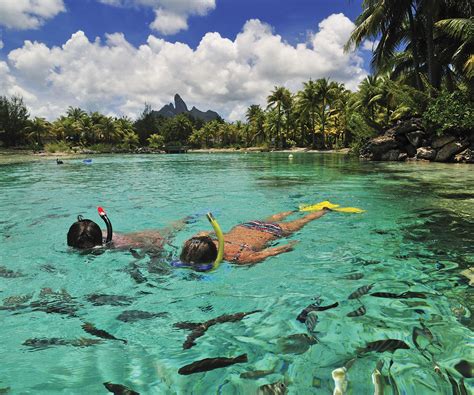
x: 433, y: 72
x: 416, y: 56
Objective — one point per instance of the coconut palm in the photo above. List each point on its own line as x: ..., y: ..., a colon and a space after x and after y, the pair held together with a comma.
x: 37, y: 130
x: 276, y: 100
x: 255, y: 117
x: 307, y: 104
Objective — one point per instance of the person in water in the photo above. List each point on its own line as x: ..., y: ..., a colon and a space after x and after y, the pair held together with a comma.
x: 86, y: 234
x: 247, y: 243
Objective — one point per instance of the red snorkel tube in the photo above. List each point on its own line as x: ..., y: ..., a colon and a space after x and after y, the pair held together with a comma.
x: 108, y: 224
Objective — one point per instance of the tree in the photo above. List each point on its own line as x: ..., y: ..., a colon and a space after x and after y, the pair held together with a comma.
x: 37, y: 130
x: 177, y: 129
x: 307, y: 102
x: 276, y: 99
x: 13, y: 120
x: 156, y: 141
x: 255, y: 117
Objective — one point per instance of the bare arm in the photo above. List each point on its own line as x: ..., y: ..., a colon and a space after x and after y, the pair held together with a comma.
x: 250, y: 257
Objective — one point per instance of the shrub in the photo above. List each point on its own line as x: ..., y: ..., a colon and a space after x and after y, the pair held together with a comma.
x: 450, y: 112
x: 101, y: 148
x: 57, y: 146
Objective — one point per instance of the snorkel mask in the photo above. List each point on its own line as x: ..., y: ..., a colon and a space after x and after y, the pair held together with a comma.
x: 206, y: 267
x: 108, y: 224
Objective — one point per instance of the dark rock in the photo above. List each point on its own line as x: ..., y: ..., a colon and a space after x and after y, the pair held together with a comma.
x: 180, y: 105
x: 416, y: 138
x: 391, y: 155
x: 410, y: 150
x: 441, y: 141
x: 466, y: 156
x: 425, y: 143
x: 425, y: 153
x: 450, y: 149
x: 402, y: 157
x: 379, y: 146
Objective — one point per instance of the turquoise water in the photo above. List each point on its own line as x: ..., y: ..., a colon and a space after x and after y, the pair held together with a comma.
x: 417, y: 235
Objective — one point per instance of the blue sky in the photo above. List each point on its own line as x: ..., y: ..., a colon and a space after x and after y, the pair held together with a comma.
x: 36, y: 61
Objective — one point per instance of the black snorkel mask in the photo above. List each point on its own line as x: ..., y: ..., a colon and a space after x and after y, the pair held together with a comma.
x: 108, y: 224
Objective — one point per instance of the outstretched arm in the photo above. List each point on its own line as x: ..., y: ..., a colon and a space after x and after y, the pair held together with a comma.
x: 250, y: 257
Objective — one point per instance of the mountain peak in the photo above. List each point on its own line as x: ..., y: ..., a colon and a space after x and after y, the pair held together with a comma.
x: 180, y: 107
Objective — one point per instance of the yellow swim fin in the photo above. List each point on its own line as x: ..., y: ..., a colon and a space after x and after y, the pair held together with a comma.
x: 331, y: 206
x: 318, y: 206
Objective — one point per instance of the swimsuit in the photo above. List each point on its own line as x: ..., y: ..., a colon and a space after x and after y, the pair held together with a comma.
x: 242, y: 246
x: 267, y: 227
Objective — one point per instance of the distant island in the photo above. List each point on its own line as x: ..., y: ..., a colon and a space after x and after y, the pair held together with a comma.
x: 180, y: 107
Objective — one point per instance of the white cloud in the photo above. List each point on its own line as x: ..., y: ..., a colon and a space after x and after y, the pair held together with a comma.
x: 220, y: 74
x: 369, y: 45
x: 28, y: 14
x: 171, y: 16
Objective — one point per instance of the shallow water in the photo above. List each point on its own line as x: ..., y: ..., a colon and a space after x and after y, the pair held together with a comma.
x: 417, y: 235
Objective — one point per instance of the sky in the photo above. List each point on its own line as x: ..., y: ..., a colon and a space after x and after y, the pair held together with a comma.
x: 114, y: 56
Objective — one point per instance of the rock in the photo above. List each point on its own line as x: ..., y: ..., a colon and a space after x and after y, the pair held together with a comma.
x: 405, y: 127
x: 391, y: 155
x: 410, y: 150
x: 441, y: 141
x: 466, y: 156
x: 379, y: 146
x: 402, y: 157
x: 450, y: 149
x: 416, y: 138
x: 425, y: 153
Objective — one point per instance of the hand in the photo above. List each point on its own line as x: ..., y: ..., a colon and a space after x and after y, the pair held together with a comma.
x: 289, y: 246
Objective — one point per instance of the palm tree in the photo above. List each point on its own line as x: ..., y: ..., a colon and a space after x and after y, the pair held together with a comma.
x: 37, y: 130
x: 276, y: 99
x: 325, y: 92
x: 255, y: 117
x: 75, y: 113
x: 307, y: 102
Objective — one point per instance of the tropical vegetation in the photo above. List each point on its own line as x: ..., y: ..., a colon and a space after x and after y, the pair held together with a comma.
x: 422, y: 66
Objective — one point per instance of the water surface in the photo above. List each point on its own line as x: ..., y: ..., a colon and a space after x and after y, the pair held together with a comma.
x: 416, y: 236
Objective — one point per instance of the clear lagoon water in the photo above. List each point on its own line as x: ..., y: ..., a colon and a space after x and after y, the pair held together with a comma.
x: 416, y: 236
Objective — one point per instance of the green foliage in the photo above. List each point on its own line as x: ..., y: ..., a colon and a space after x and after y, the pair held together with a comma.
x: 178, y: 128
x: 102, y: 148
x: 450, y: 112
x: 56, y: 146
x: 130, y: 140
x: 156, y: 141
x: 13, y: 120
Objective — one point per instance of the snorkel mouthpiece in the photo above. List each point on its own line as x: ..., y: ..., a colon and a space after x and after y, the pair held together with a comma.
x: 220, y: 240
x: 108, y: 224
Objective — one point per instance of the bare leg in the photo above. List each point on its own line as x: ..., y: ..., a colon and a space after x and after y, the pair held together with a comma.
x: 297, y: 224
x: 279, y: 217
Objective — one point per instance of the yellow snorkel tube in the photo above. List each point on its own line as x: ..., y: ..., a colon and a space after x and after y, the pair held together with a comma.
x: 220, y: 240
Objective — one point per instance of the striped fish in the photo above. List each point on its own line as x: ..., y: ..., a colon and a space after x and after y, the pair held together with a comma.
x: 357, y: 313
x: 360, y: 291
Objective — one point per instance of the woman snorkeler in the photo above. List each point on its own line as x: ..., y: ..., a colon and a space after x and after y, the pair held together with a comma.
x: 247, y: 243
x: 85, y: 234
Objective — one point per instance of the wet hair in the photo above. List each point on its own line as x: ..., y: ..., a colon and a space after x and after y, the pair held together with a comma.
x: 84, y: 234
x: 199, y: 249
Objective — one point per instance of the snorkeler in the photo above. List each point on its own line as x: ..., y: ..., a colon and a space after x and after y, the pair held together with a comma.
x: 86, y: 234
x: 247, y: 243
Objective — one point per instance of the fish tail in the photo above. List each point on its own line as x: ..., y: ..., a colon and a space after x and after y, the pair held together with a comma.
x: 241, y: 358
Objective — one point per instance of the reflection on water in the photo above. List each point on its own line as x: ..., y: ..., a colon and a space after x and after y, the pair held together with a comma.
x: 379, y: 293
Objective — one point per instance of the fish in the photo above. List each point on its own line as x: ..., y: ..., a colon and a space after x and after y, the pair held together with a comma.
x: 119, y: 389
x: 457, y: 389
x: 340, y: 381
x: 357, y: 313
x: 137, y: 315
x: 404, y: 295
x: 314, y: 307
x: 311, y: 321
x: 5, y: 390
x: 207, y: 364
x: 377, y: 379
x: 42, y: 343
x: 256, y: 374
x: 298, y: 343
x: 54, y: 307
x: 278, y: 388
x: 111, y: 300
x: 465, y: 368
x: 199, y: 328
x: 390, y: 345
x: 92, y: 330
x: 136, y: 274
x: 7, y: 273
x: 360, y: 292
x: 16, y: 300
x: 354, y: 276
